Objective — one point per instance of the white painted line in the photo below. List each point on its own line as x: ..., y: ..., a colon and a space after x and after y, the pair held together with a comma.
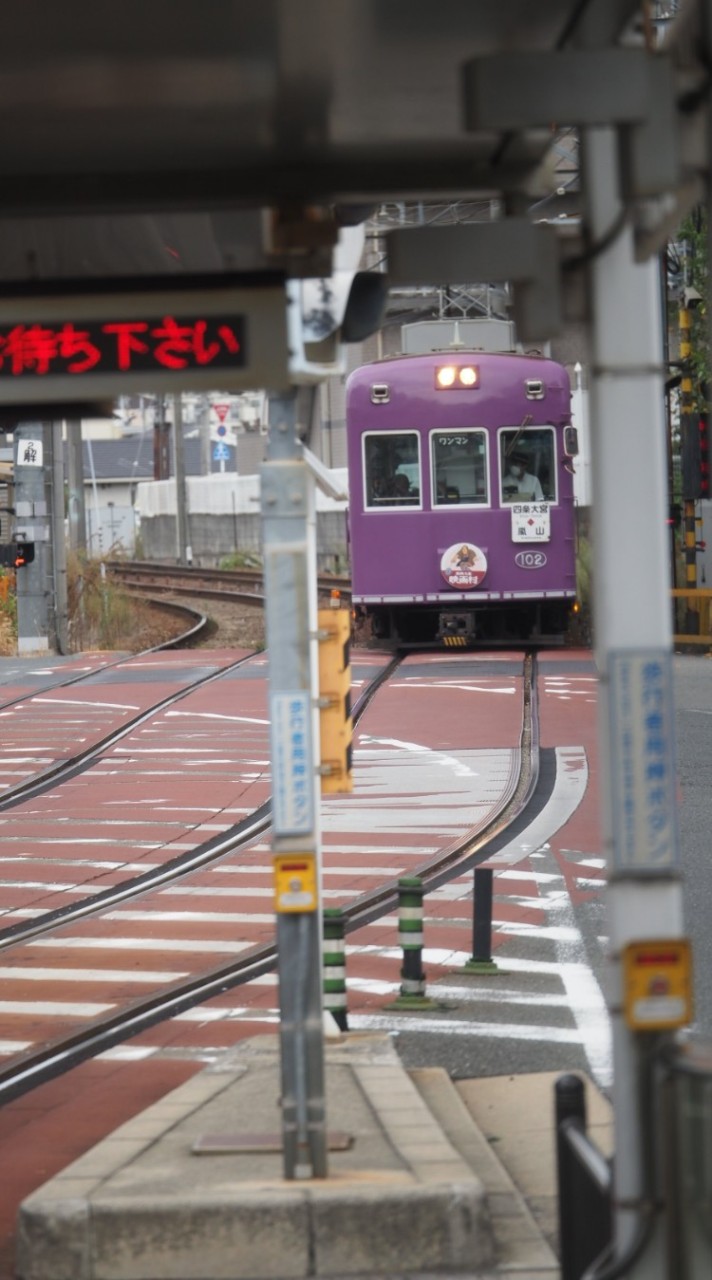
x: 569, y: 790
x: 23, y: 974
x: 216, y: 715
x: 456, y: 1027
x: 140, y: 944
x: 87, y: 705
x: 190, y: 917
x: 54, y: 1008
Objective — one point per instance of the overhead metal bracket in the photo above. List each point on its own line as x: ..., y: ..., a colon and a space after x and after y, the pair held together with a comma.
x: 329, y: 483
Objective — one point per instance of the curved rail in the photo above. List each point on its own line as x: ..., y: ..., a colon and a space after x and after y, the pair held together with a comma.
x: 211, y: 850
x: 37, y: 1065
x: 209, y: 584
x: 63, y: 770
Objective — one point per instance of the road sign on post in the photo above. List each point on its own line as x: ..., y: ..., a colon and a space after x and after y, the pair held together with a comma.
x: 288, y: 528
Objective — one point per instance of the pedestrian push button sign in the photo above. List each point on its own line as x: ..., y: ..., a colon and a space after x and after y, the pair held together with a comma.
x: 295, y: 882
x: 657, y: 984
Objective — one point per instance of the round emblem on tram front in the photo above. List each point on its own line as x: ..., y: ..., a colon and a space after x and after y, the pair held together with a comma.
x: 463, y: 565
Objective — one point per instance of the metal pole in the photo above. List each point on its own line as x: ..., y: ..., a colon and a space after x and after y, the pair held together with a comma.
x: 184, y: 555
x: 481, y: 959
x: 289, y: 541
x: 634, y: 644
x: 75, y: 474
x: 32, y: 525
x: 482, y: 925
x: 569, y: 1104
x: 204, y: 423
x: 58, y: 543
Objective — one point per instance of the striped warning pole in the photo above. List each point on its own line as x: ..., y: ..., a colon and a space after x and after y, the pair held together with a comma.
x: 334, y: 967
x: 410, y: 936
x: 410, y: 939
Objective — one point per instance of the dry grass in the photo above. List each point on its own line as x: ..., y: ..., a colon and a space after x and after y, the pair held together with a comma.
x: 103, y: 616
x: 8, y: 640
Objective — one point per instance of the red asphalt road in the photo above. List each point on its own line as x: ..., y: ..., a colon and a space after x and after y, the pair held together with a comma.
x: 49, y: 726
x: 46, y: 1130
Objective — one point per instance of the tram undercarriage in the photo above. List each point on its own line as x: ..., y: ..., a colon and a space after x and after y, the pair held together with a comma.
x: 499, y: 623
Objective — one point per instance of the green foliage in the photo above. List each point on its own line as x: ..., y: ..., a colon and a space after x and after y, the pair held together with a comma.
x: 241, y: 560
x: 693, y: 273
x: 583, y: 572
x: 8, y: 613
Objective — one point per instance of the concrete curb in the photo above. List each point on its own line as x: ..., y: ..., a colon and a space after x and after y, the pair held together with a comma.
x: 142, y: 1206
x: 520, y: 1247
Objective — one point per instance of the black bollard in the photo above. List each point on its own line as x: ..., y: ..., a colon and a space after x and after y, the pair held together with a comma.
x: 481, y: 960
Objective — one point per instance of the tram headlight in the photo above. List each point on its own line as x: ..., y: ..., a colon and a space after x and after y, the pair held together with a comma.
x: 453, y: 376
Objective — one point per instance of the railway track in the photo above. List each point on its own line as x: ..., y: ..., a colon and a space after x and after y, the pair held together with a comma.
x: 97, y: 912
x: 245, y: 585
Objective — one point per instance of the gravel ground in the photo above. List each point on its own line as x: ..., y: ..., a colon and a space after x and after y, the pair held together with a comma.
x: 231, y: 625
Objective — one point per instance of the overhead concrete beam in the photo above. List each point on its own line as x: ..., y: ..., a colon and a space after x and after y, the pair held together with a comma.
x: 522, y: 252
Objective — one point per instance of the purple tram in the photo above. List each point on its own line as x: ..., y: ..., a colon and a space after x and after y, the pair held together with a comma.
x: 461, y: 504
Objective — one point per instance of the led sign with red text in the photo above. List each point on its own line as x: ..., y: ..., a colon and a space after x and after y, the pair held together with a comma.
x: 64, y: 348
x: 118, y: 347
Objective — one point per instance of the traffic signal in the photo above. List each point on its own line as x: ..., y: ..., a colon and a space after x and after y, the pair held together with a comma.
x: 335, y: 700
x: 24, y: 554
x: 703, y: 427
x: 695, y: 456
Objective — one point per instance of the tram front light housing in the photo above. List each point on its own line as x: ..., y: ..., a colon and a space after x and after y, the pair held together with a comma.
x: 450, y: 377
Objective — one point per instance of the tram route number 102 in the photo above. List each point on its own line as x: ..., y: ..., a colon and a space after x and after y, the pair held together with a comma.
x: 530, y: 559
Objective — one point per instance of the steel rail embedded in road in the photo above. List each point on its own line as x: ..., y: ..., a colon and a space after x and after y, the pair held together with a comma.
x: 63, y: 770
x: 38, y: 1065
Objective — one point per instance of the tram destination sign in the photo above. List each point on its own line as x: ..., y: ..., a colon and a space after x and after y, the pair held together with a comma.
x: 85, y: 347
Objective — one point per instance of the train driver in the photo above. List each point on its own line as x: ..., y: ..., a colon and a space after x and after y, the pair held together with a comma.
x: 519, y: 484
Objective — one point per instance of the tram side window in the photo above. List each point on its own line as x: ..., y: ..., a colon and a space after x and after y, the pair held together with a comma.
x: 459, y: 467
x: 527, y: 467
x: 391, y: 469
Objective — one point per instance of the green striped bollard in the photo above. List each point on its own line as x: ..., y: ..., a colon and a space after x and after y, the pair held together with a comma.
x: 410, y: 939
x: 334, y: 966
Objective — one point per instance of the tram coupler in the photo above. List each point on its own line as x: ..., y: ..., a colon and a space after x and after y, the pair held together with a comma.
x: 456, y: 629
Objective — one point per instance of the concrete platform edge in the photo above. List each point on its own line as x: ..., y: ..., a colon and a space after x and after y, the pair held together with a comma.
x: 142, y: 1206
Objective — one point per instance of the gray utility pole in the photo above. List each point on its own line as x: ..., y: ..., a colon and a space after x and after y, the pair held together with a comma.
x: 75, y: 474
x: 204, y: 426
x: 58, y: 542
x: 185, y: 554
x: 289, y: 539
x: 32, y: 529
x: 634, y: 653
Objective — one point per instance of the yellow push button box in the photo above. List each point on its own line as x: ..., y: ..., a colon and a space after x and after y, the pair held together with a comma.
x: 295, y: 882
x: 657, y: 985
